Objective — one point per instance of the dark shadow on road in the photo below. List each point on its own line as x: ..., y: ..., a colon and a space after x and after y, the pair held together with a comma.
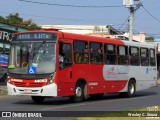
x: 116, y: 96
x: 66, y: 100
x: 48, y: 101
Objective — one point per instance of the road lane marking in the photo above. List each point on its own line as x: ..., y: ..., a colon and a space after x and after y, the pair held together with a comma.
x: 66, y: 106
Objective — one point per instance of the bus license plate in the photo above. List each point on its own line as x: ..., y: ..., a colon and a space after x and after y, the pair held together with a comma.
x: 27, y: 90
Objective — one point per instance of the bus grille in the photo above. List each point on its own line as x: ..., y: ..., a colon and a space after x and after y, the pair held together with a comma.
x: 23, y: 84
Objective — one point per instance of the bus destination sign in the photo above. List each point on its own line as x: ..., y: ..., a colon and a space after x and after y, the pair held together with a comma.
x: 36, y: 36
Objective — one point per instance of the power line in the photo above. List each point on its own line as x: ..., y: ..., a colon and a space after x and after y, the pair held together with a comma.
x: 65, y: 5
x: 149, y: 4
x: 48, y: 17
x: 150, y: 14
x: 124, y: 28
x: 123, y: 23
x: 66, y: 19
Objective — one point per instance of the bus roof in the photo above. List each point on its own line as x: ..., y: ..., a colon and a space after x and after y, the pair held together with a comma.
x: 138, y: 44
x: 65, y: 35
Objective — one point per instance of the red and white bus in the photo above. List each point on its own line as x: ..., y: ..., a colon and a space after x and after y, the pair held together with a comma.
x: 51, y: 63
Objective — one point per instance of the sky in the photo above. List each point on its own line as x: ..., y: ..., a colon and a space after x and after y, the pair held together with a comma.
x: 115, y: 14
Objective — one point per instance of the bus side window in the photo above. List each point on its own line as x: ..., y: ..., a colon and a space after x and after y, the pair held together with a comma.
x: 65, y: 55
x: 144, y: 57
x: 134, y: 56
x: 96, y: 53
x: 110, y: 54
x: 81, y: 52
x: 123, y: 55
x: 152, y: 57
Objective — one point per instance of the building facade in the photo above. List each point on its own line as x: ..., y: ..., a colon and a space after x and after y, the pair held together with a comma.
x: 6, y: 32
x: 97, y: 30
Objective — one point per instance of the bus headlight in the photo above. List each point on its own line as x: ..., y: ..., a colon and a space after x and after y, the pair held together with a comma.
x: 51, y: 80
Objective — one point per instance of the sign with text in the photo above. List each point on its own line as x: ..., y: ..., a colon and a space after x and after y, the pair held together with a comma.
x: 35, y: 36
x: 5, y: 36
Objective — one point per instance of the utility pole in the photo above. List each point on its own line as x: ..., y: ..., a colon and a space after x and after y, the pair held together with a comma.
x: 131, y: 20
x: 130, y: 4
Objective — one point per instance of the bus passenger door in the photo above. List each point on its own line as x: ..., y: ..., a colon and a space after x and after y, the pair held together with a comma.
x: 65, y: 69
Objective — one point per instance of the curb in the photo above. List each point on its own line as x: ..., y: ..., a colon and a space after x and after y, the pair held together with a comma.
x: 158, y: 82
x: 3, y: 89
x: 3, y: 92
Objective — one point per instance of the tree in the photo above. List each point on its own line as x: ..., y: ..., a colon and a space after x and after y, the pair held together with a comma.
x: 33, y: 26
x: 2, y: 19
x: 30, y: 25
x: 14, y: 19
x: 27, y: 23
x: 151, y: 39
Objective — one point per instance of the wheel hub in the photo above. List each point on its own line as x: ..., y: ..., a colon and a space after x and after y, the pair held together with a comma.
x: 78, y: 92
x: 132, y: 89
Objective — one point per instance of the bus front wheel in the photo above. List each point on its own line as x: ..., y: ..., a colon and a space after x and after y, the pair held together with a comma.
x: 38, y: 99
x: 78, y: 94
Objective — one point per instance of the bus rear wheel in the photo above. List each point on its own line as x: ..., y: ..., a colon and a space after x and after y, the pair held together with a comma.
x: 131, y: 90
x: 78, y: 94
x: 38, y: 99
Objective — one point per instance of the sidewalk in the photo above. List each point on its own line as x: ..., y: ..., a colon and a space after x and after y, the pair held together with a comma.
x: 3, y: 89
x: 158, y: 82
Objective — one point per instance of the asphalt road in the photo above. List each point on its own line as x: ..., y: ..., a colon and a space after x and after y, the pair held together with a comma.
x: 149, y: 97
x: 66, y: 109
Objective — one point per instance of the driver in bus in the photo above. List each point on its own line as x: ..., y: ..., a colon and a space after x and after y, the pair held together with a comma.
x: 61, y: 58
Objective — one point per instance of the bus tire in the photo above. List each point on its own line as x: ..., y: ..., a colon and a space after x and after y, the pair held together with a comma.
x: 38, y: 99
x: 131, y: 90
x: 78, y: 94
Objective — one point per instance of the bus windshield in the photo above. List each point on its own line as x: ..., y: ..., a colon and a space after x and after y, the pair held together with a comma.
x: 32, y: 58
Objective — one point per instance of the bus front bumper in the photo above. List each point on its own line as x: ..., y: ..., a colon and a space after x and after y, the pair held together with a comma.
x: 48, y: 90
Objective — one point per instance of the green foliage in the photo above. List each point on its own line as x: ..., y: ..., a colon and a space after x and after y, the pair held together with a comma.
x: 2, y: 19
x: 14, y: 19
x: 150, y: 39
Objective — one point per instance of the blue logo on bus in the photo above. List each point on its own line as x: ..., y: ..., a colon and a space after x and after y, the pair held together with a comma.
x: 32, y: 70
x: 147, y: 70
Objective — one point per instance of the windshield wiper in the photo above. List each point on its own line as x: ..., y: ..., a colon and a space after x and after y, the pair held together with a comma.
x: 37, y: 49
